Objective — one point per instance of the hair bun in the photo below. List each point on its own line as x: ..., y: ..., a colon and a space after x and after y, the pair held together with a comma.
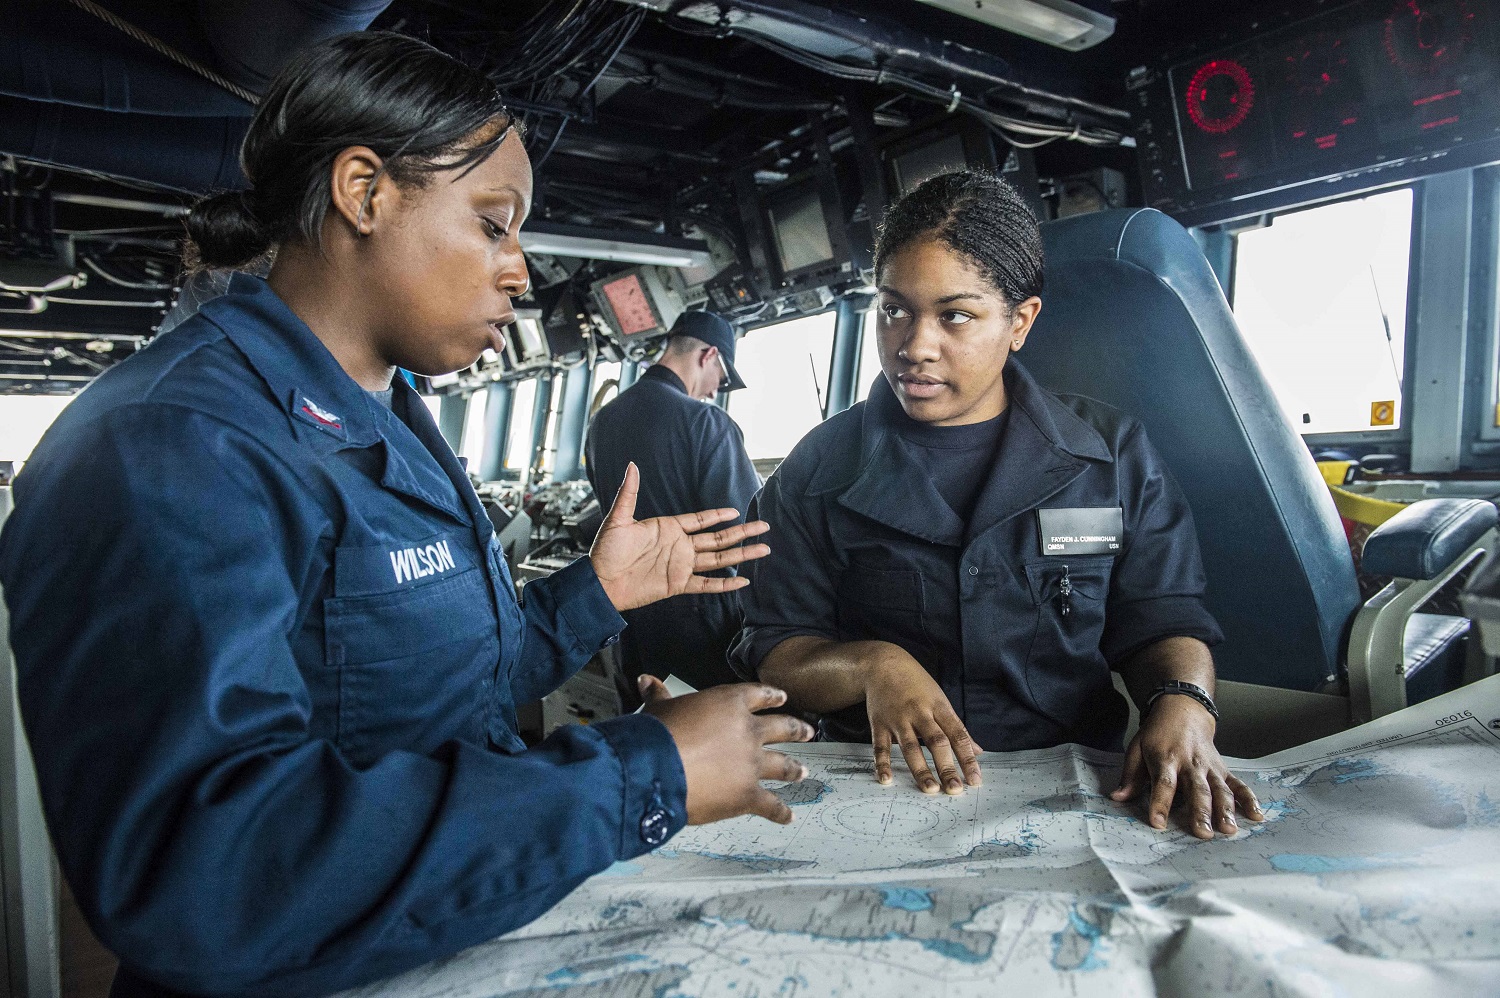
x: 223, y: 232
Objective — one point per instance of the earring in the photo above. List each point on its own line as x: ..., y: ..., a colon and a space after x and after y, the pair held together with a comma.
x: 1015, y: 344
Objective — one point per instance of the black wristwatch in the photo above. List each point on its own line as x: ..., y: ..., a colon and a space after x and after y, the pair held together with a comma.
x: 1186, y: 689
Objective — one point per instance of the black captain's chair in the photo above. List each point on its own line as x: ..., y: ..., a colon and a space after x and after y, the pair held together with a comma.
x: 1134, y: 317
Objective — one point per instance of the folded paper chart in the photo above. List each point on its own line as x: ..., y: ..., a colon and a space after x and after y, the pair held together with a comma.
x: 1375, y: 867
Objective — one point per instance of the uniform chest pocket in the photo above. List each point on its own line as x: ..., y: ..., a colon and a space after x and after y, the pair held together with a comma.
x: 1066, y: 581
x: 882, y: 604
x: 415, y: 666
x: 1064, y: 666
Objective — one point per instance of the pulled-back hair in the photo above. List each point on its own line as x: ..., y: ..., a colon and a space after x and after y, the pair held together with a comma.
x: 418, y: 109
x: 981, y: 217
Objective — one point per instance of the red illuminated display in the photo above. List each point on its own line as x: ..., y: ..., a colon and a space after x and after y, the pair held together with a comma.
x: 632, y: 309
x: 1424, y: 37
x: 1316, y: 63
x: 1220, y: 96
x: 1365, y: 82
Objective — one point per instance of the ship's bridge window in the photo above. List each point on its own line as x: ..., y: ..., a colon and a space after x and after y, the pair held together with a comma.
x: 471, y: 444
x: 785, y: 368
x: 1320, y: 296
x: 869, y: 357
x: 23, y: 420
x: 522, y: 414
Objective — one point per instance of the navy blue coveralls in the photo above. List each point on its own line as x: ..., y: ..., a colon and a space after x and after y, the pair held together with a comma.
x: 692, y: 457
x: 866, y: 549
x: 269, y: 658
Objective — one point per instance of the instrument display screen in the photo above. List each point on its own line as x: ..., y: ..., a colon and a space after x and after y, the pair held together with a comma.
x: 1356, y: 85
x: 632, y: 308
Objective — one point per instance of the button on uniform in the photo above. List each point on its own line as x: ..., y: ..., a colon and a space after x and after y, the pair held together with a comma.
x: 656, y: 825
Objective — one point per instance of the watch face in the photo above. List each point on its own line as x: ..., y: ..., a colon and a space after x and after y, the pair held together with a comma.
x: 632, y: 309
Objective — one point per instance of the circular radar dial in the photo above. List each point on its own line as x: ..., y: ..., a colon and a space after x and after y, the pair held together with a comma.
x: 1220, y: 96
x: 1425, y: 37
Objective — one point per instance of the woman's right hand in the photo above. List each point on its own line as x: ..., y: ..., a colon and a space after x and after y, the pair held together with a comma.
x: 907, y: 705
x: 722, y: 744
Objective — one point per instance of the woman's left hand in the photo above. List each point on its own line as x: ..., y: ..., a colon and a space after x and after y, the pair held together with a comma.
x: 1174, y: 755
x: 642, y: 561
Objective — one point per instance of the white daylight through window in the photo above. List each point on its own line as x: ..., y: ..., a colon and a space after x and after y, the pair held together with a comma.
x: 1313, y: 293
x: 785, y: 368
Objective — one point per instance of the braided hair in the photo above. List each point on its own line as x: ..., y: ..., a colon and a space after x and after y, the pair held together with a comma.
x: 979, y: 216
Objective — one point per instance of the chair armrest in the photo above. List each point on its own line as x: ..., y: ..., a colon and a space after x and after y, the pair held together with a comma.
x: 1422, y: 558
x: 1426, y: 537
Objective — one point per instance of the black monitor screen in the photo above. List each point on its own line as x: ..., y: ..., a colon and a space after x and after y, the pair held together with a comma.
x: 926, y: 162
x: 801, y: 231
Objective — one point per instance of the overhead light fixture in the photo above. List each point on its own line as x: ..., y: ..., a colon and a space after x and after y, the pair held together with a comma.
x: 1062, y: 23
x: 617, y: 245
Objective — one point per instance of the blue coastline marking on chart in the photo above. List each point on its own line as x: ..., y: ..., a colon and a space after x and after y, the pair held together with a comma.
x: 1078, y: 946
x: 804, y: 792
x: 620, y: 911
x: 564, y: 977
x: 1291, y: 862
x: 905, y: 898
x: 755, y: 861
x: 1357, y: 769
x: 954, y: 950
x: 1486, y: 811
x: 1275, y: 810
x: 622, y: 868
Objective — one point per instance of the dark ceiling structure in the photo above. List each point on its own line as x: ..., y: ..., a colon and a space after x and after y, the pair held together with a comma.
x: 642, y: 116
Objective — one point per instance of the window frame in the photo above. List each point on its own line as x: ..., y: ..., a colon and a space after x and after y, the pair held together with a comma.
x: 1483, y: 436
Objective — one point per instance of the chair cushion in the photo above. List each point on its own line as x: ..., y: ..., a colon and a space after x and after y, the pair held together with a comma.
x: 1426, y: 537
x: 1433, y: 653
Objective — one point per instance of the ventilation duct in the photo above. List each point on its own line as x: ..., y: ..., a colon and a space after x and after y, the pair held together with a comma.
x: 78, y: 93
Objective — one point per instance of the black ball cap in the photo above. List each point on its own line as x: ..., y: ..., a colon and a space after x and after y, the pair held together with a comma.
x: 716, y: 332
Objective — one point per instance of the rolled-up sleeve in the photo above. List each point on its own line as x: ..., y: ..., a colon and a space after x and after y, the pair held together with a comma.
x: 1156, y: 591
x: 214, y: 844
x: 793, y: 591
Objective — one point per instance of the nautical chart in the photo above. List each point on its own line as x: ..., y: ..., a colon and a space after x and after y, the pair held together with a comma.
x: 1374, y: 872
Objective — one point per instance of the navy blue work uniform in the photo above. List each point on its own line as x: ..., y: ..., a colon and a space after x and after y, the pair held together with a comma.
x: 269, y: 658
x: 691, y: 456
x: 866, y: 549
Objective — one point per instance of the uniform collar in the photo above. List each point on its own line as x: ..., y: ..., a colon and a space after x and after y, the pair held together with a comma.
x: 327, y: 406
x: 1046, y: 446
x: 667, y: 376
x: 303, y: 376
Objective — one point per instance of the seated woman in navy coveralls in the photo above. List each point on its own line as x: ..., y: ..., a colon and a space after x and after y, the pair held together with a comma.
x: 269, y: 651
x: 962, y: 558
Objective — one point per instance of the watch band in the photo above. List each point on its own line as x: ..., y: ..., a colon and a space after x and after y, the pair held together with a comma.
x: 1198, y: 693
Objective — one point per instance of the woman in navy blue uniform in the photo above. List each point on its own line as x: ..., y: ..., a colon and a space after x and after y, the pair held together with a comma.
x: 269, y: 651
x: 964, y: 557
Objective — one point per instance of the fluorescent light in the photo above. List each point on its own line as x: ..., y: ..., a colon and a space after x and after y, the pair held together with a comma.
x: 619, y: 246
x: 1062, y: 23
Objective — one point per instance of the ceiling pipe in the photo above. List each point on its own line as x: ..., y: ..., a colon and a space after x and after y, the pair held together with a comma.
x: 74, y: 92
x: 252, y: 39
